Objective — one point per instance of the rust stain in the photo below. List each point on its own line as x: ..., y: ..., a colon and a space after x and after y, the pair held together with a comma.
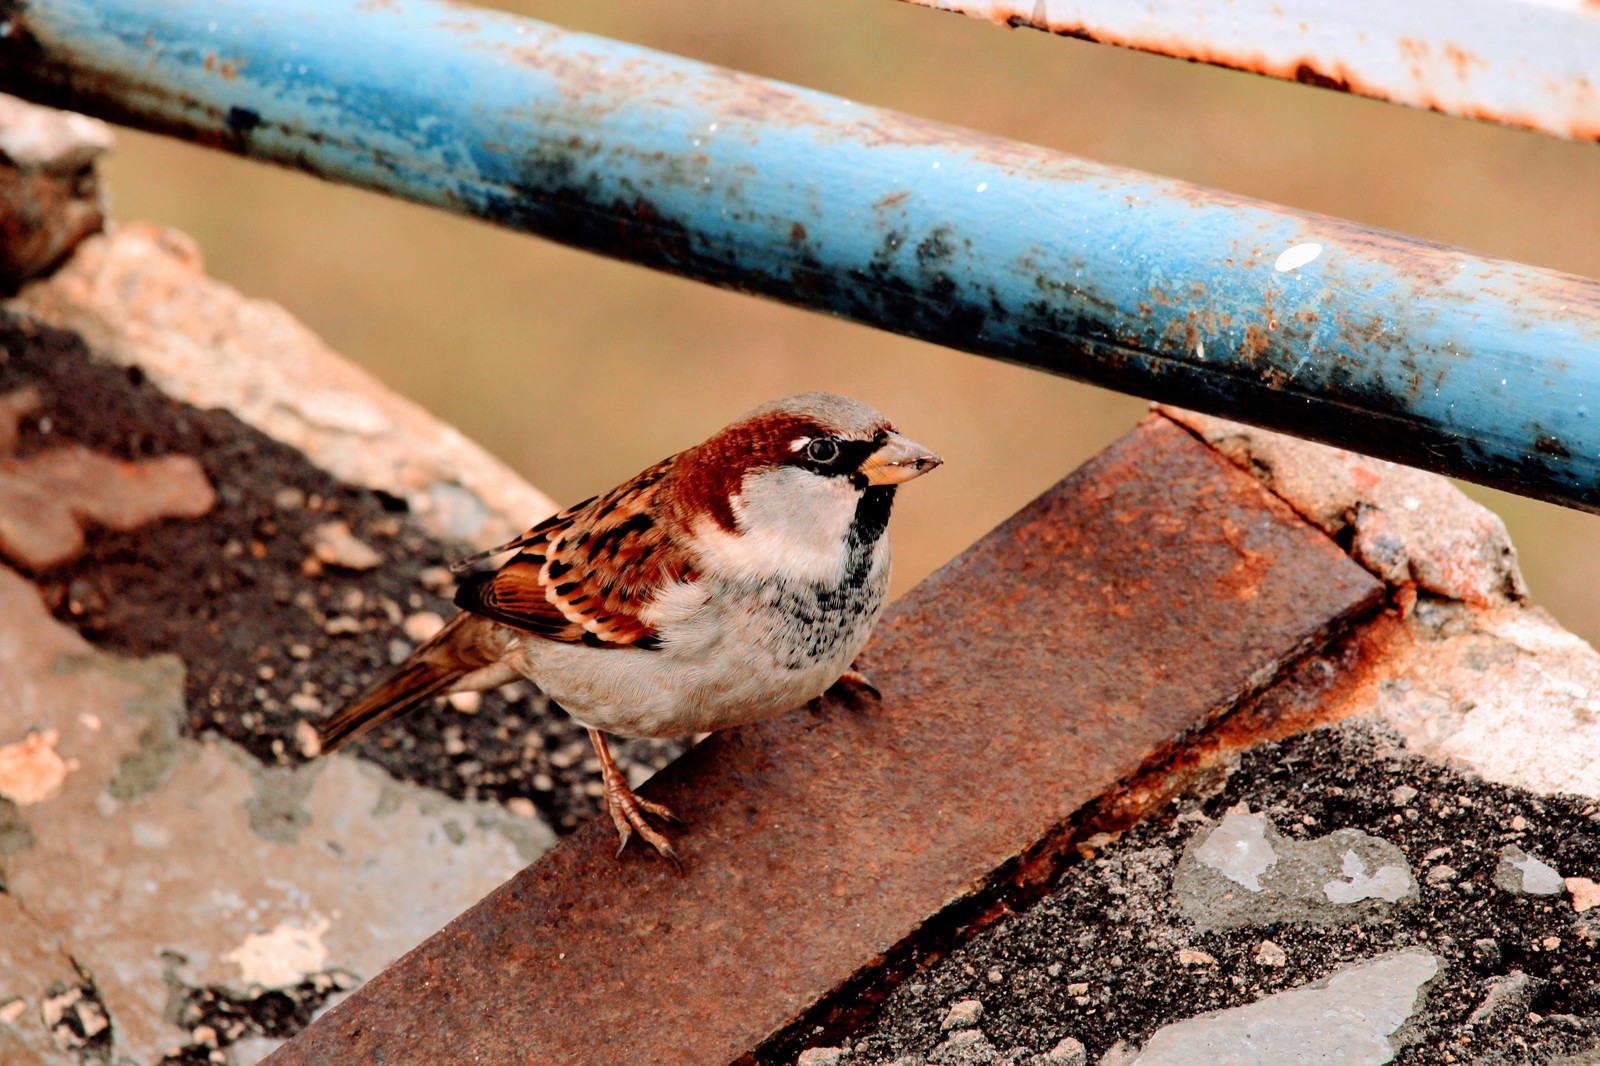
x: 1422, y: 61
x: 225, y: 69
x: 1256, y: 341
x: 1462, y: 61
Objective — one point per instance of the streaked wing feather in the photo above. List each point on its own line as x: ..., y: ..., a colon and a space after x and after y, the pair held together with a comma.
x: 587, y: 573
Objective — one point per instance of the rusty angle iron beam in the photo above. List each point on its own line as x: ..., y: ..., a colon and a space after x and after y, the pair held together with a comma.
x: 1527, y: 63
x: 1398, y: 347
x: 1075, y: 645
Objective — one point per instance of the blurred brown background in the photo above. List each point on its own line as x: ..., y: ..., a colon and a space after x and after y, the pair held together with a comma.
x: 580, y: 371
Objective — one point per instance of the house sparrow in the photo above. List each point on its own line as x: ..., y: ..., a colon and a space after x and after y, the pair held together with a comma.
x: 733, y: 581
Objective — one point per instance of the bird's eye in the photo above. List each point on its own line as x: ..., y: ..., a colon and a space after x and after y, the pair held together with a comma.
x: 822, y: 450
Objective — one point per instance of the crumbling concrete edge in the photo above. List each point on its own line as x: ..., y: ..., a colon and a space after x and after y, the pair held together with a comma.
x: 139, y: 296
x: 1412, y: 529
x: 1463, y: 666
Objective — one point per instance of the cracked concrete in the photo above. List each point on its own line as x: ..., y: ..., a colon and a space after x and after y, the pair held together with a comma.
x: 163, y: 862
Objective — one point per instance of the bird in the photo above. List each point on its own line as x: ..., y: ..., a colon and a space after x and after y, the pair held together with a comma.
x: 735, y: 580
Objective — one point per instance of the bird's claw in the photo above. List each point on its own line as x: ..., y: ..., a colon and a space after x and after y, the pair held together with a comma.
x: 628, y: 813
x: 628, y: 810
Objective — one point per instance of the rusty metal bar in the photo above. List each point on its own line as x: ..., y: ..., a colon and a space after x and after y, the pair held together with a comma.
x: 828, y: 849
x: 1527, y: 63
x: 1472, y: 366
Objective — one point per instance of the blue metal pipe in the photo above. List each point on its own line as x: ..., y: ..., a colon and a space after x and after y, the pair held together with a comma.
x: 1389, y: 345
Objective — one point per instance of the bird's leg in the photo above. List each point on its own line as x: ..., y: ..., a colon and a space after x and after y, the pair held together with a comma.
x: 628, y: 810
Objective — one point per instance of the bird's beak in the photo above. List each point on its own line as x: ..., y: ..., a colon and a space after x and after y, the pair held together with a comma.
x: 898, y: 459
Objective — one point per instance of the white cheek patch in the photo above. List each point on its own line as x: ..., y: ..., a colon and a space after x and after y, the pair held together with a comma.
x: 792, y: 523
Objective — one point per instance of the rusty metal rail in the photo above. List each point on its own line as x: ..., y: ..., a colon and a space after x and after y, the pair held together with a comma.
x: 1516, y: 62
x: 831, y: 849
x: 1397, y: 347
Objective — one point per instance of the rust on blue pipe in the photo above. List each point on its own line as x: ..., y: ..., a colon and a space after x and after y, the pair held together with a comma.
x: 1398, y: 347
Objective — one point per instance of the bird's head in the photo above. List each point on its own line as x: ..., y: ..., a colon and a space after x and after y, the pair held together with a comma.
x: 804, y: 464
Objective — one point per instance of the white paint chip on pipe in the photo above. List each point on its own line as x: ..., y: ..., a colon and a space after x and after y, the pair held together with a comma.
x: 1296, y: 257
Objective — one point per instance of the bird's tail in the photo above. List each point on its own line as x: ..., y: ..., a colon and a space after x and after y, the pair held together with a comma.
x: 434, y: 667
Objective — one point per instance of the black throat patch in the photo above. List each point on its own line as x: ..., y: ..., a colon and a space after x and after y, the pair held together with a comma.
x: 872, y: 518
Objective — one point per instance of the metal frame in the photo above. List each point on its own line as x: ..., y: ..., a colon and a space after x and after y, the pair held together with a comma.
x: 1394, y: 346
x: 1528, y: 63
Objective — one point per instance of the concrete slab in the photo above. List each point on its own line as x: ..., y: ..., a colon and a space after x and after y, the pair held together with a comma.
x: 157, y: 867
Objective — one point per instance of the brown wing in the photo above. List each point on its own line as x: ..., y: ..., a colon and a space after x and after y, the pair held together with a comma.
x: 586, y: 573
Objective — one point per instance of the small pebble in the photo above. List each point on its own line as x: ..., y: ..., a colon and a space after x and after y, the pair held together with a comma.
x: 821, y: 1056
x: 288, y: 499
x: 1551, y: 943
x: 305, y: 703
x: 995, y: 977
x: 963, y: 1015
x: 341, y: 625
x: 422, y: 625
x: 299, y: 651
x: 1054, y: 969
x: 335, y: 545
x: 1078, y: 988
x: 521, y: 806
x: 1192, y: 957
x: 436, y: 578
x: 1441, y: 874
x: 306, y: 738
x: 1518, y: 824
x: 1524, y: 873
x: 1402, y: 795
x: 1270, y: 954
x: 1584, y: 892
x: 568, y: 756
x: 1069, y: 1052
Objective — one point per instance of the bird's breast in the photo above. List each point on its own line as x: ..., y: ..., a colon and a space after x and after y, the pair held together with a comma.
x: 734, y: 651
